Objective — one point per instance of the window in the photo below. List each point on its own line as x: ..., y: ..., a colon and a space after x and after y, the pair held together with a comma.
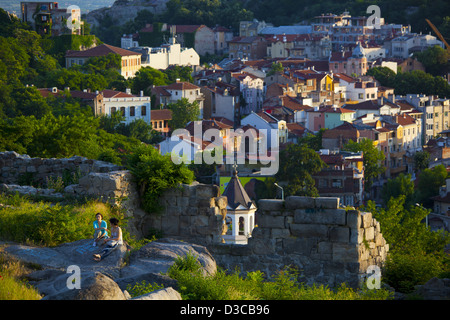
x: 132, y: 111
x: 122, y: 110
x: 323, y: 183
x: 336, y: 183
x: 113, y: 109
x: 143, y: 111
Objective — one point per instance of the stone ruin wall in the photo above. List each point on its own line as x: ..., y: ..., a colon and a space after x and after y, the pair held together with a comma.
x: 328, y: 245
x: 15, y: 167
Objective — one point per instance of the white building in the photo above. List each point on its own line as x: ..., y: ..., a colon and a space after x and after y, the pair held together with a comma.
x: 164, y: 56
x: 404, y: 46
x: 276, y: 129
x: 131, y: 106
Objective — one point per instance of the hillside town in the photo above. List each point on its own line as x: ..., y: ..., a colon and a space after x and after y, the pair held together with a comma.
x: 297, y: 80
x: 255, y: 96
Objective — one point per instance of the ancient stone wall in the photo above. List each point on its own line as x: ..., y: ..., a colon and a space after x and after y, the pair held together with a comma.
x: 21, y: 169
x: 326, y: 244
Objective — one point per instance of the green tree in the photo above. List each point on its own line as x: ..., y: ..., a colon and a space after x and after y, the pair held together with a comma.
x: 401, y: 185
x: 430, y: 180
x: 421, y: 160
x: 435, y: 60
x: 416, y: 254
x: 276, y: 67
x: 297, y: 164
x: 183, y: 112
x: 314, y: 141
x: 146, y: 77
x: 373, y: 159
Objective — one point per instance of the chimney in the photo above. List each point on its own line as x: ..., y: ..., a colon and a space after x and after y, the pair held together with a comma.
x: 178, y: 80
x: 141, y: 93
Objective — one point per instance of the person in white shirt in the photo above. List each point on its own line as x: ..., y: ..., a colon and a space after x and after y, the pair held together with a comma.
x: 113, y: 242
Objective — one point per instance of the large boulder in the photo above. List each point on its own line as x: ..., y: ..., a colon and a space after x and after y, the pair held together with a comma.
x: 93, y: 286
x: 162, y: 294
x: 158, y: 256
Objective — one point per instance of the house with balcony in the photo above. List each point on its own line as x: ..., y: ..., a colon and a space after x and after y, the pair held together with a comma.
x: 174, y: 92
x: 342, y: 178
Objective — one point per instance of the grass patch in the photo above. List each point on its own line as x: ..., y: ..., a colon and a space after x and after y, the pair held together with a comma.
x: 13, y: 286
x: 195, y: 285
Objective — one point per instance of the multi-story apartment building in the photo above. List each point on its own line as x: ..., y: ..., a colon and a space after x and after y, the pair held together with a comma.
x: 252, y: 91
x: 47, y: 18
x: 435, y: 114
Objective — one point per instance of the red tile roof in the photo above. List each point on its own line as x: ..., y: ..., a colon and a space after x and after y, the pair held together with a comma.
x: 181, y: 86
x: 99, y: 51
x: 161, y: 114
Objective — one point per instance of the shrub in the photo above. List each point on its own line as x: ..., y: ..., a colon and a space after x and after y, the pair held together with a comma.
x: 403, y: 271
x: 155, y: 173
x: 142, y: 288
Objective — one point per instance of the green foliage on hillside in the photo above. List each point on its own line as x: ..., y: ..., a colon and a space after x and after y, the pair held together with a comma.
x: 416, y: 254
x: 416, y: 81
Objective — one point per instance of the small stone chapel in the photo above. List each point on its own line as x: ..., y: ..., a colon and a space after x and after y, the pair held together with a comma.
x: 240, y: 210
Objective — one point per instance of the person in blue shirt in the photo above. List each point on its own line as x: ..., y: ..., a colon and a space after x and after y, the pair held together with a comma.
x: 100, y: 229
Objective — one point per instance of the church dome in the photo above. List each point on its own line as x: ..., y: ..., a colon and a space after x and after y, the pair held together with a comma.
x: 359, y: 51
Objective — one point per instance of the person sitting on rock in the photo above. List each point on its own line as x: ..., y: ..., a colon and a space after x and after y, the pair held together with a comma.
x: 100, y: 229
x: 113, y: 242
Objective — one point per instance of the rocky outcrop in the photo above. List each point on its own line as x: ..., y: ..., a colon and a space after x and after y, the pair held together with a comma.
x: 162, y: 294
x: 434, y: 289
x: 109, y: 278
x: 122, y: 10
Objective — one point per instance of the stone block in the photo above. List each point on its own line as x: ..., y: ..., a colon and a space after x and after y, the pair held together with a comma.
x: 326, y: 202
x: 298, y: 202
x: 280, y: 233
x: 353, y: 219
x: 261, y: 233
x: 262, y: 246
x: 205, y: 191
x: 183, y: 202
x: 340, y: 234
x: 320, y: 216
x: 369, y: 233
x: 366, y: 219
x: 268, y: 221
x: 299, y: 246
x: 309, y: 230
x: 324, y: 247
x: 270, y: 205
x: 345, y: 252
x: 222, y: 202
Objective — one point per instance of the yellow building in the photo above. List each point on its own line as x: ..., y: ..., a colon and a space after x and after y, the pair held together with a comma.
x: 130, y: 61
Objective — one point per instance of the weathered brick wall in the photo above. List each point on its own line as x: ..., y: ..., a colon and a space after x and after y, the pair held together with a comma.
x: 327, y: 244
